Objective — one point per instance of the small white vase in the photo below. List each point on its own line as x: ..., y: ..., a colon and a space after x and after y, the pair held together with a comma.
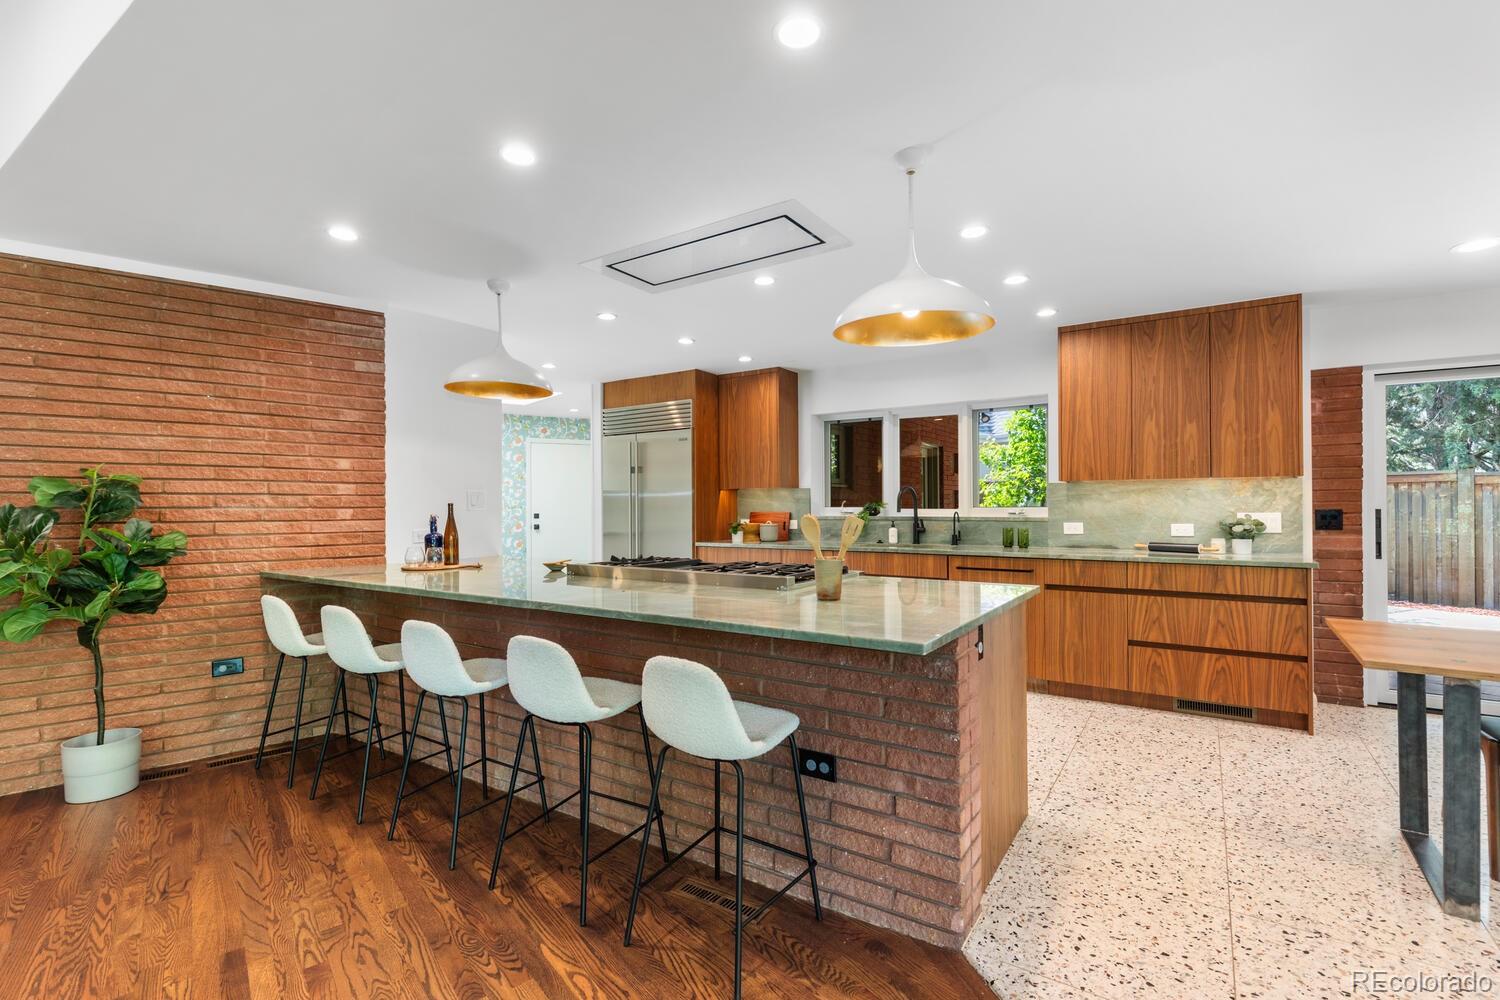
x: 1241, y: 546
x: 738, y: 538
x: 93, y: 772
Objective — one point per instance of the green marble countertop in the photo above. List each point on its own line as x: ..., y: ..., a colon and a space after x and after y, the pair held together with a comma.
x: 1283, y: 560
x: 884, y: 613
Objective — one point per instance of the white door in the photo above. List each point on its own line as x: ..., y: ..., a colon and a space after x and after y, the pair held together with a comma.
x: 559, y: 503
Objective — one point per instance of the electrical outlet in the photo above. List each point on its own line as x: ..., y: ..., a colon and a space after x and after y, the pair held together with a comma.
x: 1328, y: 519
x: 1271, y: 518
x: 1072, y: 527
x: 1182, y: 531
x: 226, y: 667
x: 823, y: 766
x: 475, y: 499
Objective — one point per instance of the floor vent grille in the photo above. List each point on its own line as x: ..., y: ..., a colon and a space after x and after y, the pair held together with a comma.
x: 1215, y: 709
x: 165, y: 772
x: 710, y: 893
x: 240, y: 758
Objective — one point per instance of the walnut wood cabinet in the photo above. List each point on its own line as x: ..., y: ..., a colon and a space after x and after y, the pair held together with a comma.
x: 758, y: 429
x: 1209, y: 392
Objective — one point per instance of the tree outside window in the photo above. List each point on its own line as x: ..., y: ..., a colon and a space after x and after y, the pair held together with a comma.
x: 1441, y: 426
x: 1012, y: 452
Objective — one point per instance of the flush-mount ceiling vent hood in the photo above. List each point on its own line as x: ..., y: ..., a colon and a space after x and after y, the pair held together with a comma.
x: 753, y: 241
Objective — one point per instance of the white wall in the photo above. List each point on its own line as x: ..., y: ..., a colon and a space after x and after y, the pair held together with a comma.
x: 438, y: 446
x: 1456, y: 326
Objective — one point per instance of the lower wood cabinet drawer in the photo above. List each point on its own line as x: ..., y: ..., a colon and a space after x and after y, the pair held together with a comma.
x: 1255, y: 581
x: 994, y: 569
x: 1084, y: 573
x: 913, y: 564
x: 1219, y: 623
x: 1248, y: 681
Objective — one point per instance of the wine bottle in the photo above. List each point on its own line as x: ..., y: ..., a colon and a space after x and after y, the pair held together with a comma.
x: 432, y: 545
x: 450, y: 539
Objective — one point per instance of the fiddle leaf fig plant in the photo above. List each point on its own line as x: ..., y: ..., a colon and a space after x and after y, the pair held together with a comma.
x: 110, y: 572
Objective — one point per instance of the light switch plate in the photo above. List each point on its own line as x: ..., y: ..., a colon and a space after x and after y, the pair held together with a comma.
x: 1271, y: 518
x: 1182, y: 531
x: 476, y: 499
x: 1072, y: 527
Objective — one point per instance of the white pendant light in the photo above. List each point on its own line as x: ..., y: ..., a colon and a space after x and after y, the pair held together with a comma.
x: 498, y: 375
x: 913, y: 308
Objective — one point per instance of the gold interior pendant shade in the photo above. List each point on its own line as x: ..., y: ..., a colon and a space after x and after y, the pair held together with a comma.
x: 913, y: 308
x: 497, y: 375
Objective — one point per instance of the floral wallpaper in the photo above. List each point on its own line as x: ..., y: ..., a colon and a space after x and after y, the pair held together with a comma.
x: 517, y: 430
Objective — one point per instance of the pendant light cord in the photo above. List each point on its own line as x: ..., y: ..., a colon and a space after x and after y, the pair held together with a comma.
x: 911, y: 213
x: 500, y: 320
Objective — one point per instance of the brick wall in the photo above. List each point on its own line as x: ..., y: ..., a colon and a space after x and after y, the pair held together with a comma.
x: 896, y: 837
x: 1338, y: 481
x: 258, y: 424
x: 943, y: 432
x: 865, y: 479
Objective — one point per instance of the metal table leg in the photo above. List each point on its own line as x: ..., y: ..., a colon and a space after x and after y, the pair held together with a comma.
x: 1461, y: 798
x: 1411, y: 734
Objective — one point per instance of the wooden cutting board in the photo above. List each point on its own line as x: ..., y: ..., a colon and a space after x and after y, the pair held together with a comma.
x: 437, y: 567
x: 780, y: 518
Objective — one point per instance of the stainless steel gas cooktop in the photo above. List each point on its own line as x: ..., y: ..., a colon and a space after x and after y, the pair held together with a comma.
x: 697, y: 573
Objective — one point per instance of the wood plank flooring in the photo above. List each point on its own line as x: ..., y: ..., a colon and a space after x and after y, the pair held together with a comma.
x: 224, y: 884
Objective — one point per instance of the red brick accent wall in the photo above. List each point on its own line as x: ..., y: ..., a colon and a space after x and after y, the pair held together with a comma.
x: 941, y: 431
x: 865, y: 482
x: 258, y: 424
x: 1338, y: 481
x: 897, y: 837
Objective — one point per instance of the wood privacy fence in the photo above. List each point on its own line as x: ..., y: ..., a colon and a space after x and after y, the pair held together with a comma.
x: 1444, y: 537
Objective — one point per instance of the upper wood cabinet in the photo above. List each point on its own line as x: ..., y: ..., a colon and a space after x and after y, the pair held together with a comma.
x: 1093, y: 372
x: 758, y: 429
x: 1170, y: 368
x: 1215, y: 391
x: 1257, y: 390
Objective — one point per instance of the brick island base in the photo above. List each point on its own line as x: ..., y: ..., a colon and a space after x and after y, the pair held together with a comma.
x: 931, y: 749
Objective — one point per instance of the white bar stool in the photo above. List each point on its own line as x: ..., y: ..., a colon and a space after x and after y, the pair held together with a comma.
x: 546, y: 682
x: 350, y: 649
x: 689, y: 709
x: 285, y: 633
x: 433, y: 662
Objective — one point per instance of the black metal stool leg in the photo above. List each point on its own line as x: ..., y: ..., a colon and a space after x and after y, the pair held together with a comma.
x: 640, y: 864
x: 401, y: 697
x: 661, y: 828
x: 447, y: 743
x: 458, y: 784
x: 585, y: 779
x: 291, y: 764
x: 364, y: 775
x: 484, y: 749
x: 348, y: 732
x: 338, y: 689
x: 718, y: 823
x: 541, y: 785
x: 812, y: 866
x: 265, y: 727
x: 510, y: 796
x: 739, y: 874
x: 405, y: 767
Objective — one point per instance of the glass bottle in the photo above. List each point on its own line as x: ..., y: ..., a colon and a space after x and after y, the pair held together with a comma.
x: 450, y: 539
x: 433, y: 543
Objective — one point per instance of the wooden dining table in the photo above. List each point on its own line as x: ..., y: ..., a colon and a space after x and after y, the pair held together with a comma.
x: 1462, y: 658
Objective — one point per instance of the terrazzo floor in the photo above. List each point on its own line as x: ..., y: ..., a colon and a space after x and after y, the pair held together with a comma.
x: 1173, y: 856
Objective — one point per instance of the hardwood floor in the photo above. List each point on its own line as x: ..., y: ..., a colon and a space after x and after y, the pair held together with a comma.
x: 222, y: 883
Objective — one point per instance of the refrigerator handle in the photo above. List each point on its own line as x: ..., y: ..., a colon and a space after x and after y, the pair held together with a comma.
x: 635, y: 503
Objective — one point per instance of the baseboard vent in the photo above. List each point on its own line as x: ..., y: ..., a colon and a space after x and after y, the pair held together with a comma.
x: 1214, y: 708
x: 710, y: 893
x: 165, y: 772
x: 240, y: 758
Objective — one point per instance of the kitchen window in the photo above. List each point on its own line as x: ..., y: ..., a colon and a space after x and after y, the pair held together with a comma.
x: 1010, y: 457
x: 929, y: 459
x: 856, y: 461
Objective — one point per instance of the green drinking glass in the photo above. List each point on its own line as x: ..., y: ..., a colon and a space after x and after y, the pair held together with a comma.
x: 1023, y: 537
x: 1008, y: 537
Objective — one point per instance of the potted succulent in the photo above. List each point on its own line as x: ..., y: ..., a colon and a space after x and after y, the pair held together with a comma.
x: 870, y: 509
x: 737, y: 532
x: 1241, y: 532
x: 110, y: 572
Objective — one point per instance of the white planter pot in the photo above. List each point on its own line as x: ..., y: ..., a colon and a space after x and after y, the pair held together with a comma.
x: 92, y: 772
x: 1241, y: 546
x: 738, y: 538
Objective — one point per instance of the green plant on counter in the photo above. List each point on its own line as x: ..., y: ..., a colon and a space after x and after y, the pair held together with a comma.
x: 110, y: 572
x: 736, y: 527
x: 870, y: 510
x: 1243, y: 527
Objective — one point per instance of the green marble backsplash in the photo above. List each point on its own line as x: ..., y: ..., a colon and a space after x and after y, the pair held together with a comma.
x: 1114, y: 514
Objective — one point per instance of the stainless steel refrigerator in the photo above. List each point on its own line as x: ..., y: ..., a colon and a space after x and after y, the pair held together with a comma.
x: 648, y: 480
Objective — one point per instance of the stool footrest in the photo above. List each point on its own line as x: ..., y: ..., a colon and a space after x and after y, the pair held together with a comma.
x: 811, y: 864
x: 498, y: 798
x: 624, y: 838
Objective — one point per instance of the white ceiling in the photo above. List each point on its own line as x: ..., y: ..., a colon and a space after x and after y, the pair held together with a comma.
x: 1129, y: 157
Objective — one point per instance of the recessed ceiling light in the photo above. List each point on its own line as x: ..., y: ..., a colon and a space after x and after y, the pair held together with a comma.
x: 745, y: 359
x: 974, y: 231
x: 606, y: 316
x: 573, y: 410
x: 518, y: 154
x: 1016, y: 279
x: 1476, y: 245
x: 1046, y: 311
x: 764, y: 279
x: 684, y: 341
x: 798, y: 31
x: 343, y: 233
x: 548, y: 365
